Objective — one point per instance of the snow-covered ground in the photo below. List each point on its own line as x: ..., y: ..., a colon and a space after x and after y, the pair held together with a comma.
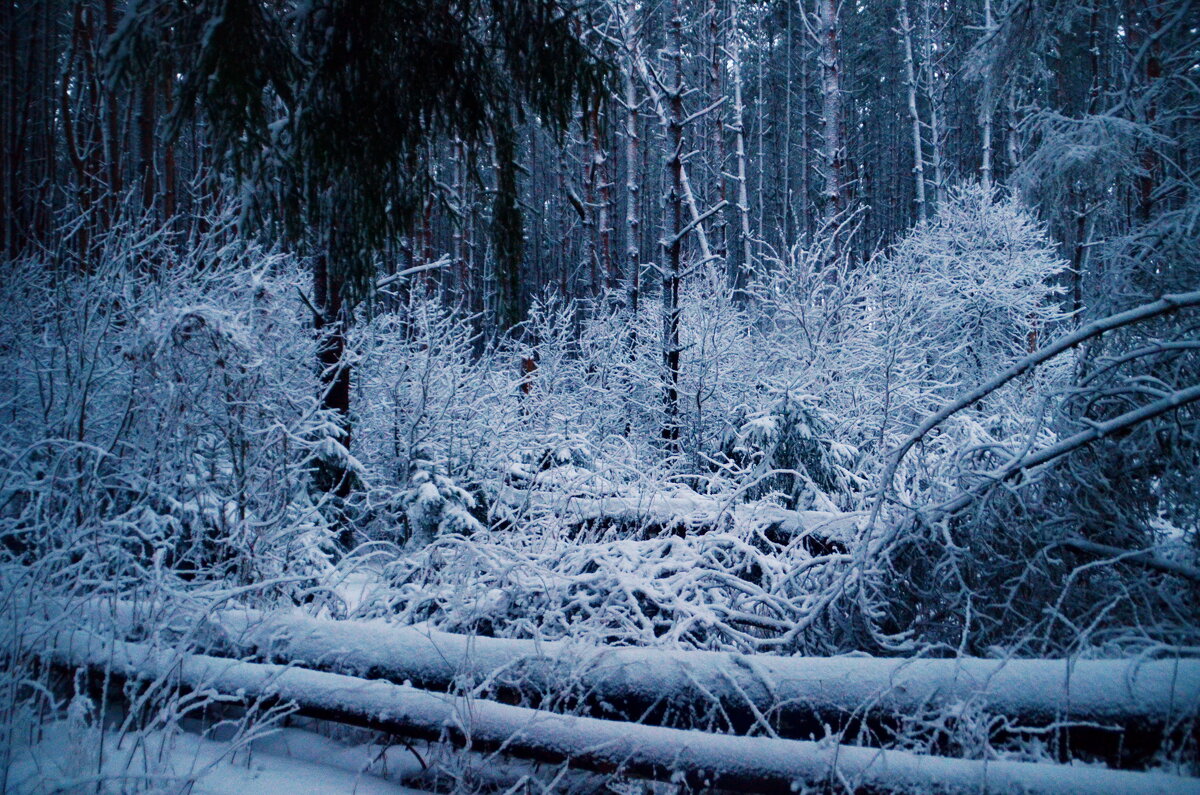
x: 286, y: 761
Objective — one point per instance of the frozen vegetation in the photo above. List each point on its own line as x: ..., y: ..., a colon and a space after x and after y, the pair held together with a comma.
x: 537, y: 396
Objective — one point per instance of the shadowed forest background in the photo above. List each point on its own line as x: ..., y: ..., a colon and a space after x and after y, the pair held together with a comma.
x: 504, y: 395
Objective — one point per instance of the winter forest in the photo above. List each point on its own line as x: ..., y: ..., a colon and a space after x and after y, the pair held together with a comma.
x: 600, y: 396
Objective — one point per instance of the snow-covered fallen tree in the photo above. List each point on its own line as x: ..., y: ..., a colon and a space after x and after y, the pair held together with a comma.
x: 1154, y: 692
x: 574, y: 499
x: 754, y: 764
x: 1131, y: 703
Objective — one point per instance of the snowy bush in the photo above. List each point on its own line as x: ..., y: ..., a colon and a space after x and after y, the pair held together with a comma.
x: 788, y: 450
x: 173, y: 408
x: 420, y: 384
x: 717, y: 590
x: 885, y: 342
x: 963, y: 295
x: 161, y: 424
x: 433, y: 503
x: 426, y: 410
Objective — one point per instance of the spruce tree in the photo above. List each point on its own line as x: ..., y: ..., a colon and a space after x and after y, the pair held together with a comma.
x: 324, y: 111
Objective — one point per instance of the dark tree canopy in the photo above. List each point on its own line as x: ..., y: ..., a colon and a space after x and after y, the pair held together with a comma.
x: 327, y: 107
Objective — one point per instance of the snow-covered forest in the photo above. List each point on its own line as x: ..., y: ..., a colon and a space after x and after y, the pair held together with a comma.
x: 600, y: 396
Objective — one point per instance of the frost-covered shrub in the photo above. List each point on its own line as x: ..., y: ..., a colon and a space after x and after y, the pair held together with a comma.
x: 576, y: 379
x: 962, y: 296
x: 807, y: 327
x: 433, y: 503
x: 718, y: 590
x: 598, y: 373
x: 789, y: 450
x: 161, y: 417
x: 420, y: 384
x: 718, y: 366
x: 171, y: 412
x: 885, y: 342
x: 426, y: 409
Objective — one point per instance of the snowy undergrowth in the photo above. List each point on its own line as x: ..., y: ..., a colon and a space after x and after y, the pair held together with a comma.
x: 733, y: 590
x: 160, y: 423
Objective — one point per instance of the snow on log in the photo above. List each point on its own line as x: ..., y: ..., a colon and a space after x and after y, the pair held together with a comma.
x: 747, y: 763
x: 792, y: 689
x: 682, y: 508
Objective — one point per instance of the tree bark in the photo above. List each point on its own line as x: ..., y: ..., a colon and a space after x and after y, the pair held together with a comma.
x: 507, y: 232
x: 934, y: 92
x: 742, y: 269
x: 913, y: 115
x: 832, y: 147
x: 986, y: 108
x: 633, y: 259
x: 673, y: 241
x: 665, y: 116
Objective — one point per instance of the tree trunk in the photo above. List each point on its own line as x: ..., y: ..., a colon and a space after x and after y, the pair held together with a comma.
x: 720, y: 234
x: 1149, y: 161
x: 170, y: 169
x: 743, y: 268
x: 633, y: 257
x: 801, y: 693
x: 934, y: 92
x: 914, y: 117
x: 507, y: 232
x: 608, y: 265
x: 665, y: 116
x: 673, y: 241
x: 986, y: 108
x: 330, y: 321
x: 832, y: 151
x: 145, y: 123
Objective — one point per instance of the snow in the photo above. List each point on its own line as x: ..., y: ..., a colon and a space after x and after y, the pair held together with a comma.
x: 355, y: 587
x: 289, y: 762
x: 679, y: 507
x: 575, y: 480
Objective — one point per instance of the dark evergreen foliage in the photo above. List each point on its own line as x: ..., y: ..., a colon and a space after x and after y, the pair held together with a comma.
x: 327, y: 109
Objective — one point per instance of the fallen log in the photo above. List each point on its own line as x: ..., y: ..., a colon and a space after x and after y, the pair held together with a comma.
x: 684, y: 511
x: 1117, y: 692
x: 751, y: 764
x: 1120, y: 712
